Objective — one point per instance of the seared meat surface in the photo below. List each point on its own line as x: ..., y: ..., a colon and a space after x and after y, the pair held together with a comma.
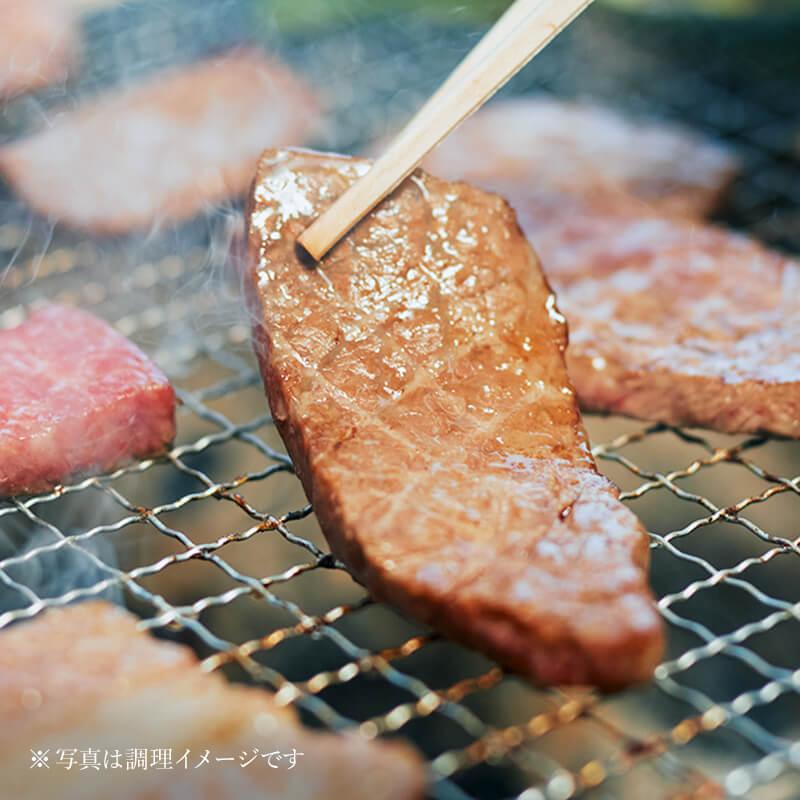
x: 163, y: 150
x: 76, y: 397
x: 86, y: 678
x: 418, y: 380
x: 524, y: 145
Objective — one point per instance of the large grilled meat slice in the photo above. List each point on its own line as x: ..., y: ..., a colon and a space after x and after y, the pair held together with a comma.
x: 417, y: 377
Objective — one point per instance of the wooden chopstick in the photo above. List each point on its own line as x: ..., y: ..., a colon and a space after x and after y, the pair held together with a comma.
x: 522, y: 32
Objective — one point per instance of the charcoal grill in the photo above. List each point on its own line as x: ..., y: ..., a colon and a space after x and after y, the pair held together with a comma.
x: 215, y: 546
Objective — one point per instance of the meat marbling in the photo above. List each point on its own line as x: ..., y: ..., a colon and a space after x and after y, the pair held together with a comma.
x: 417, y: 378
x: 76, y: 397
x: 86, y: 678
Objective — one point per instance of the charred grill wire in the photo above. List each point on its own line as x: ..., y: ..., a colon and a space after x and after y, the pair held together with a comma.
x: 215, y: 545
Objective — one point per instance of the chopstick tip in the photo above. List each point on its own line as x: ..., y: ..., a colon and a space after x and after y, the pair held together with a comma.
x: 304, y: 255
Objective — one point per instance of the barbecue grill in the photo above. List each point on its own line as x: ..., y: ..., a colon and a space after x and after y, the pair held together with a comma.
x: 215, y: 546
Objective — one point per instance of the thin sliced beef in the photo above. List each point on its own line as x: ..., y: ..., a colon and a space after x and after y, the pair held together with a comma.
x: 527, y: 145
x: 418, y: 380
x: 163, y: 150
x: 76, y: 397
x: 675, y: 322
x: 87, y: 679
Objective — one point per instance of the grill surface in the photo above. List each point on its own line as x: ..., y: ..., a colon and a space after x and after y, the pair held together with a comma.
x: 215, y: 546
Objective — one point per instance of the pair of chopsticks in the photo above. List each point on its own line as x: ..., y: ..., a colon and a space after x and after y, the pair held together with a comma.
x: 520, y: 34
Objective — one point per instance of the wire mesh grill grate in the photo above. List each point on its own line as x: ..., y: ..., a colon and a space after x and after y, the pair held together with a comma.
x: 215, y: 544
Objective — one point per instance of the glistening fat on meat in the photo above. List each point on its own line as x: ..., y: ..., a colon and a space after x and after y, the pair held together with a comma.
x: 164, y: 150
x: 76, y: 397
x: 87, y: 679
x: 417, y: 378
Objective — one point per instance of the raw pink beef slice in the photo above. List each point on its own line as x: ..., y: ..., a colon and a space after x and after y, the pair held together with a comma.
x: 76, y: 397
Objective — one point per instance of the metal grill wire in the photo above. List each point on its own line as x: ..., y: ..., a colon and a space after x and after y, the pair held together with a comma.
x: 215, y: 546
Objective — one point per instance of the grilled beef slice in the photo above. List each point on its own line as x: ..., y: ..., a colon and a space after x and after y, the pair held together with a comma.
x: 417, y: 378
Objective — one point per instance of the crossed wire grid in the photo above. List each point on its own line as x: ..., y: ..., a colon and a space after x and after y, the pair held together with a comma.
x: 178, y: 307
x: 515, y: 743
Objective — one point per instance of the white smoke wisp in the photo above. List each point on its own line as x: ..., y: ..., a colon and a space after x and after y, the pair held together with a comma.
x: 39, y: 561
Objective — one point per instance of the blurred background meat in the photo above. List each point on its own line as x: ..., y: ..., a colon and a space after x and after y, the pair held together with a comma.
x: 537, y: 144
x: 161, y: 151
x: 673, y: 321
x: 97, y: 679
x: 39, y: 42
